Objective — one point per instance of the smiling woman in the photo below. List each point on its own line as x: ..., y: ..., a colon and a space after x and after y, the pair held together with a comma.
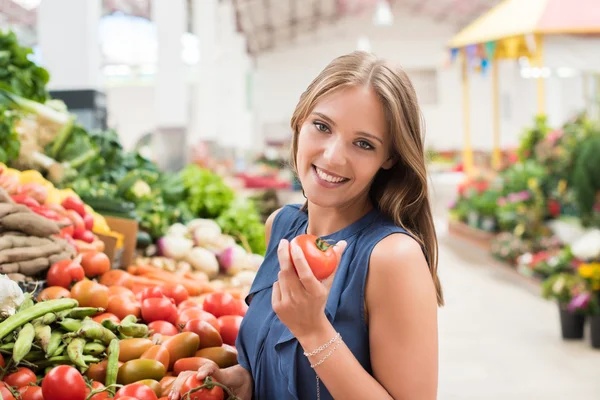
x: 358, y: 151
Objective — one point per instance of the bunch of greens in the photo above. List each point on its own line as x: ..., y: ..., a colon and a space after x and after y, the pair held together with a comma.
x: 242, y: 221
x: 18, y: 74
x: 207, y: 195
x: 10, y: 145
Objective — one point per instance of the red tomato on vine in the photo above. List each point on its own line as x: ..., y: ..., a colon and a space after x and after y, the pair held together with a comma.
x: 319, y: 254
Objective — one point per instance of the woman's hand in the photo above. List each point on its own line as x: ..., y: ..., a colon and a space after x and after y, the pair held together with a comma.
x: 236, y: 378
x: 299, y: 299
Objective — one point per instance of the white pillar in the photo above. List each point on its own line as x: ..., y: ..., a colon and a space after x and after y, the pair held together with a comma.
x: 204, y: 117
x: 69, y: 46
x: 235, y: 129
x: 171, y: 92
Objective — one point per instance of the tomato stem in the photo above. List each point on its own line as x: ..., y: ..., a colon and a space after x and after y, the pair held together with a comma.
x: 209, y: 384
x: 104, y: 389
x: 321, y: 244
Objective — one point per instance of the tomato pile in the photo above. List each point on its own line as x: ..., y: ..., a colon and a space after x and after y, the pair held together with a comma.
x: 146, y: 336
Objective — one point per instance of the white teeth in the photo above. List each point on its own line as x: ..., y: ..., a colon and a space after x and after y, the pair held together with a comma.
x: 327, y: 177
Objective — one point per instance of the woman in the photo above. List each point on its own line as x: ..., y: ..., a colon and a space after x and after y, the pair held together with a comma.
x: 370, y: 331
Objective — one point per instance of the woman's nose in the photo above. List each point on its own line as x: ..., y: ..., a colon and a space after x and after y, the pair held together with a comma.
x: 334, y: 152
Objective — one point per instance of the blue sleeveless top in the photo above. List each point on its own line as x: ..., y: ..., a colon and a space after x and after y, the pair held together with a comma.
x: 267, y: 348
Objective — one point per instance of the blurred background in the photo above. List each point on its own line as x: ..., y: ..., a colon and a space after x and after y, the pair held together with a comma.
x: 202, y: 91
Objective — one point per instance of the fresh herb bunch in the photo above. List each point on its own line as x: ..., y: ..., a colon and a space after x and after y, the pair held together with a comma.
x: 18, y: 74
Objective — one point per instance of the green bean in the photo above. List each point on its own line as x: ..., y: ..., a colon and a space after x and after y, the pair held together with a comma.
x: 94, y: 349
x: 110, y: 324
x: 75, y: 352
x: 26, y: 303
x: 43, y: 333
x: 112, y: 366
x: 54, y: 343
x: 70, y: 324
x: 90, y: 329
x: 82, y: 312
x: 134, y: 330
x: 7, y: 346
x: 65, y: 360
x: 23, y: 343
x: 14, y: 321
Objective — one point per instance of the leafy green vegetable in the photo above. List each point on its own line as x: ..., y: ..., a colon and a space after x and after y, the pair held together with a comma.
x: 10, y: 145
x: 242, y: 220
x: 18, y: 74
x: 207, y: 195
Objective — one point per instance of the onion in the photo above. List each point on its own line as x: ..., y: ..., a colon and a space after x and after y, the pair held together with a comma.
x: 234, y: 259
x: 174, y: 247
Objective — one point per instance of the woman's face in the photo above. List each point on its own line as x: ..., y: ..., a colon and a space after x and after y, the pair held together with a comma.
x: 341, y: 146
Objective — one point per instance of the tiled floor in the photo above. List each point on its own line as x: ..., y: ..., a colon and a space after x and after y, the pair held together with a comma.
x: 499, y: 340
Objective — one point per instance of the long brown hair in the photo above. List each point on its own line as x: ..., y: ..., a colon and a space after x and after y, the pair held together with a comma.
x: 400, y: 192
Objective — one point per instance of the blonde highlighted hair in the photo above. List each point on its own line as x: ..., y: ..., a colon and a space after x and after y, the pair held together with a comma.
x: 400, y: 192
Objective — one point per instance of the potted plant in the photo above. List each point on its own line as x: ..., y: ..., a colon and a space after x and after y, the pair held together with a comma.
x: 591, y: 273
x: 574, y: 299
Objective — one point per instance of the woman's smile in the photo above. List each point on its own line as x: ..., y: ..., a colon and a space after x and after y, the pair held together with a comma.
x: 327, y: 178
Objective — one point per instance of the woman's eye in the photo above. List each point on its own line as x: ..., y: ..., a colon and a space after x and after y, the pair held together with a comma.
x: 364, y: 145
x: 321, y: 127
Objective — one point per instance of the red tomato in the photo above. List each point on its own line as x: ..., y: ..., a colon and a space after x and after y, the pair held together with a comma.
x: 61, y: 377
x: 78, y: 224
x: 31, y: 393
x: 2, y: 364
x: 216, y: 393
x: 67, y: 230
x: 95, y: 263
x: 319, y: 254
x: 188, y: 304
x: 163, y: 327
x: 64, y: 273
x: 98, y: 396
x: 22, y: 377
x: 177, y: 292
x: 189, y: 314
x: 103, y: 316
x: 88, y: 221
x: 25, y: 200
x: 74, y: 203
x: 84, y: 236
x: 122, y: 306
x: 229, y: 326
x: 5, y: 392
x: 152, y: 293
x: 221, y: 303
x: 137, y: 391
x: 155, y: 309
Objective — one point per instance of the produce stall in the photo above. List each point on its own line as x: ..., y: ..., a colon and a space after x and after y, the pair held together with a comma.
x: 116, y: 276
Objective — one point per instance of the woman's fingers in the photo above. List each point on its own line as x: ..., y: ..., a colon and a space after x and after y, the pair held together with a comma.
x: 178, y: 384
x: 305, y: 274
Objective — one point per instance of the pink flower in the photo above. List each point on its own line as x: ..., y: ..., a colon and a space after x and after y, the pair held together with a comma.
x: 579, y: 302
x: 555, y: 135
x: 501, y: 201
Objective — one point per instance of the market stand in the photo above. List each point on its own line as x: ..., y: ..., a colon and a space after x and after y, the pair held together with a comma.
x: 551, y: 33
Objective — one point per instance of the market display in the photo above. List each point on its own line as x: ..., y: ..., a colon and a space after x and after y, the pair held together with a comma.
x: 73, y: 313
x: 544, y: 213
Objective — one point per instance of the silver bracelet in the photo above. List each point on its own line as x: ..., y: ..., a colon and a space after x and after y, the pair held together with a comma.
x: 323, y: 347
x: 322, y: 360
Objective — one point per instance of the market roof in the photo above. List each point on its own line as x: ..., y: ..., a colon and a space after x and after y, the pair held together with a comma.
x: 521, y: 17
x: 272, y: 24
